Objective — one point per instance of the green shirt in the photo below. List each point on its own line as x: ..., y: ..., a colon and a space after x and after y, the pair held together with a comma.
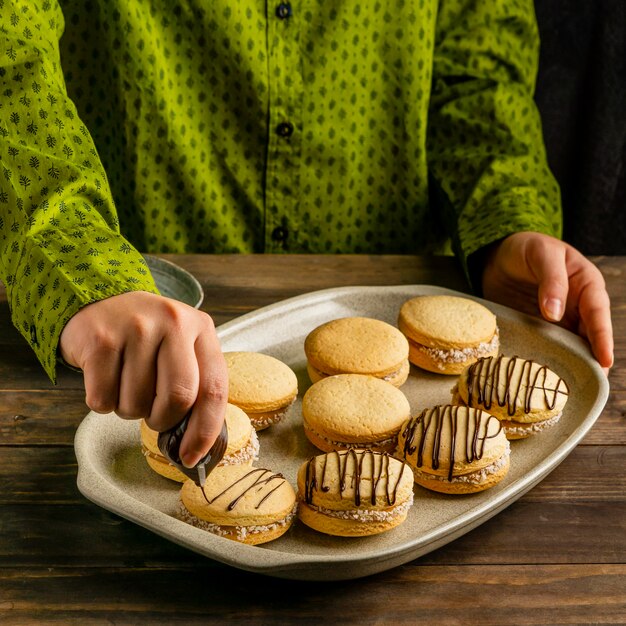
x: 254, y: 126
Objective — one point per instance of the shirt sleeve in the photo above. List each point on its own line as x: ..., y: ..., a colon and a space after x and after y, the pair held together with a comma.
x: 486, y: 155
x: 60, y: 245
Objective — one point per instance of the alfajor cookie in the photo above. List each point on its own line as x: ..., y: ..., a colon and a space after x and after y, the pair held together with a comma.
x: 247, y: 504
x: 242, y: 448
x: 353, y: 411
x: 455, y: 449
x: 261, y: 385
x: 447, y: 333
x: 357, y: 345
x: 354, y: 493
x: 525, y: 396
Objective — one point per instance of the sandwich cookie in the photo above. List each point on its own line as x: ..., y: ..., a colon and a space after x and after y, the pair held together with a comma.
x: 447, y: 333
x: 525, y: 396
x: 242, y: 448
x: 455, y: 449
x: 247, y: 504
x: 357, y: 345
x: 354, y: 411
x: 261, y: 385
x: 354, y: 493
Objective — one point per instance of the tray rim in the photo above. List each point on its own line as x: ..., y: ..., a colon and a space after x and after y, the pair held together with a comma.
x: 294, y: 565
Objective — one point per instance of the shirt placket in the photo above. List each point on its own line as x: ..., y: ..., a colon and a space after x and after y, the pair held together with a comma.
x: 285, y: 128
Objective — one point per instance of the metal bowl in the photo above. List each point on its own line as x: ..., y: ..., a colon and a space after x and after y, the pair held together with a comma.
x: 175, y: 282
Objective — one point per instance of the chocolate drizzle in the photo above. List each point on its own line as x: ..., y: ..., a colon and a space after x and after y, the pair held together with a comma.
x: 259, y: 482
x: 416, y: 432
x: 485, y: 376
x: 378, y: 470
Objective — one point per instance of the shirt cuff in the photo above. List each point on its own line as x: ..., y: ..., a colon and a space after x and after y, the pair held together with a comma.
x: 58, y: 276
x: 511, y: 214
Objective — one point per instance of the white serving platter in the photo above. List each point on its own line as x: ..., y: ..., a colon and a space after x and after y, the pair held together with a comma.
x: 113, y: 473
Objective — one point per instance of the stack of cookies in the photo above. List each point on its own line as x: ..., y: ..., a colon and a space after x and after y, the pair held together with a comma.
x: 356, y: 414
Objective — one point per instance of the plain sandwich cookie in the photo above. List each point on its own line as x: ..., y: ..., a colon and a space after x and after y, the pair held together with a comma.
x: 455, y: 449
x: 261, y: 385
x: 447, y: 333
x: 353, y: 411
x: 525, y: 396
x: 357, y: 345
x: 242, y: 448
x: 247, y: 504
x: 354, y: 493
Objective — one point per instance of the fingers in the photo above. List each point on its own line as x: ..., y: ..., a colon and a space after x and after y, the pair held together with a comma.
x: 595, y: 317
x: 138, y: 377
x: 546, y: 260
x: 177, y: 380
x: 101, y: 372
x: 208, y: 412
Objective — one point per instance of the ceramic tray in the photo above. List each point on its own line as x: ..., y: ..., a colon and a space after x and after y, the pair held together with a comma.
x: 113, y: 473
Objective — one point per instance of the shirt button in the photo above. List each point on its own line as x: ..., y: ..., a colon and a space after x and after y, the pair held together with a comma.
x: 280, y: 233
x: 283, y: 10
x: 33, y: 335
x: 285, y: 129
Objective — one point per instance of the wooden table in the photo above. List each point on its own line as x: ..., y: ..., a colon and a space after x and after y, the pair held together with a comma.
x: 558, y: 555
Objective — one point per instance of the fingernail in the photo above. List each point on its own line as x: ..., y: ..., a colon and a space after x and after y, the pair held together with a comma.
x: 189, y: 459
x: 554, y: 309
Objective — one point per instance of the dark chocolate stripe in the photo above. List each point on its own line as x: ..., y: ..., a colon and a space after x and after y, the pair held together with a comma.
x: 486, y: 375
x: 416, y: 431
x: 260, y: 481
x: 378, y: 471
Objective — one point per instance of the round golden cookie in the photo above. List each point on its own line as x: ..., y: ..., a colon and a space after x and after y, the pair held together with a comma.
x: 357, y: 345
x: 261, y: 385
x: 247, y: 504
x: 454, y: 449
x: 354, y: 493
x: 447, y: 333
x: 353, y: 411
x: 525, y: 396
x: 242, y: 448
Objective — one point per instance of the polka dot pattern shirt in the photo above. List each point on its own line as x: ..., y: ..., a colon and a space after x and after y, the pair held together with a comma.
x: 215, y: 126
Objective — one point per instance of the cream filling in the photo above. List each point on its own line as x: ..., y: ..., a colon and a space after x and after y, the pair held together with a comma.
x: 454, y: 355
x: 473, y: 478
x: 387, y: 377
x: 366, y: 445
x: 367, y: 515
x: 241, y: 532
x: 263, y: 420
x: 531, y: 427
x: 245, y: 454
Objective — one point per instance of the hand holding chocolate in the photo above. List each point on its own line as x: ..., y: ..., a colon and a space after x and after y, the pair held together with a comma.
x: 169, y: 443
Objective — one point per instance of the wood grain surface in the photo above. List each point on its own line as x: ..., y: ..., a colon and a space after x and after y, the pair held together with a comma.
x: 556, y: 556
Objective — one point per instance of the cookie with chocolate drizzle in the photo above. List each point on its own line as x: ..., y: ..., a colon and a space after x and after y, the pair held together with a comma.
x: 525, y: 396
x: 251, y: 505
x: 354, y: 493
x: 454, y: 449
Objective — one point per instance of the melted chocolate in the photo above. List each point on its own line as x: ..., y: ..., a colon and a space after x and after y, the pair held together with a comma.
x: 261, y: 479
x: 416, y: 431
x: 484, y: 378
x: 378, y: 471
x: 169, y: 445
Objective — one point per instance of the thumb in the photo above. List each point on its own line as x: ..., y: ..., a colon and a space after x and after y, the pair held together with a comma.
x: 547, y: 263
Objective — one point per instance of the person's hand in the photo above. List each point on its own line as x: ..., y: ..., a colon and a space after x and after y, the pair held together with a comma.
x: 541, y: 275
x: 144, y: 355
